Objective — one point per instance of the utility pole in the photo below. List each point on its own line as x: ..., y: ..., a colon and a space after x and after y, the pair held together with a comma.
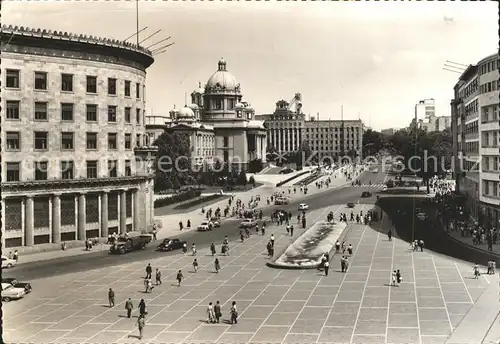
x: 342, y: 129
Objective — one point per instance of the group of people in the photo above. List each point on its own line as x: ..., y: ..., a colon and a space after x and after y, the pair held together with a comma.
x: 214, y: 313
x: 417, y: 244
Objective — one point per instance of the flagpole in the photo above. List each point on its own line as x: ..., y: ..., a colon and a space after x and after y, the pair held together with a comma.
x: 137, y: 20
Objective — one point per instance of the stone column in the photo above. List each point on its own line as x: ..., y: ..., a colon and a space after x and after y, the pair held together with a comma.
x: 104, y: 214
x: 56, y: 218
x: 289, y: 139
x: 123, y: 211
x: 82, y: 217
x: 29, y: 228
x: 137, y: 226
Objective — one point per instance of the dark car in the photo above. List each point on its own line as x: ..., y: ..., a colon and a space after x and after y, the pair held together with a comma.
x: 16, y: 284
x: 366, y: 194
x: 350, y: 205
x: 171, y: 244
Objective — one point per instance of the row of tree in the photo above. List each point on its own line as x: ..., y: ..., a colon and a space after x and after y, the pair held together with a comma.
x: 426, y: 153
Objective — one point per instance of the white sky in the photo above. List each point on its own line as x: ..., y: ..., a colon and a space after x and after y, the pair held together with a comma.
x: 377, y: 59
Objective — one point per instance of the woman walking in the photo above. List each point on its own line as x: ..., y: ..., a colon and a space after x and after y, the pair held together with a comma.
x: 141, y: 322
x: 234, y: 313
x: 179, y: 278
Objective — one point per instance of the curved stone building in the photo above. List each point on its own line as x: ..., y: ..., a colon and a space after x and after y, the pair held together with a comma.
x: 475, y: 127
x: 74, y: 154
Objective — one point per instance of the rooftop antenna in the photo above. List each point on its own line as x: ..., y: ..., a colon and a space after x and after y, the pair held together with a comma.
x: 152, y: 45
x: 137, y: 21
x: 129, y: 37
x: 185, y: 98
x: 456, y: 63
x: 145, y: 39
x: 162, y: 49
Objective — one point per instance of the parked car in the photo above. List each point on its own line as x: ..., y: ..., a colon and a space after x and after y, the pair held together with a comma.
x: 132, y: 243
x: 248, y: 223
x: 303, y: 206
x: 205, y: 226
x: 350, y: 205
x: 215, y: 222
x: 366, y: 194
x: 281, y: 201
x: 9, y: 292
x: 8, y: 262
x: 16, y: 284
x: 171, y: 244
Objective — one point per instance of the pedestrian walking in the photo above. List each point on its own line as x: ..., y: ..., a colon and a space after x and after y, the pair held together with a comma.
x: 158, y: 277
x: 326, y: 267
x: 337, y: 247
x: 184, y: 248
x: 111, y: 297
x: 193, y: 249
x: 234, y: 313
x: 217, y: 312
x: 129, y: 306
x: 389, y: 235
x: 421, y: 245
x: 210, y: 313
x: 142, y: 308
x: 149, y: 271
x: 141, y: 322
x: 399, y: 278
x: 195, y: 265
x: 393, y: 278
x: 476, y: 271
x: 342, y: 264
x: 16, y: 256
x: 212, y: 249
x: 179, y: 278
x: 217, y: 265
x: 291, y: 230
x: 349, y: 249
x: 272, y: 240
x: 346, y: 262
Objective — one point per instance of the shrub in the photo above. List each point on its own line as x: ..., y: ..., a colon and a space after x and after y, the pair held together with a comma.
x: 198, y: 201
x: 180, y: 197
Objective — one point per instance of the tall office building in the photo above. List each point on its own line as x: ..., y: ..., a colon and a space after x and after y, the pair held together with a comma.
x: 475, y: 128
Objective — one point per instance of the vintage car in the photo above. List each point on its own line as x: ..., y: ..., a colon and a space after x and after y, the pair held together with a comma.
x: 366, y: 194
x: 350, y: 205
x: 16, y: 284
x: 215, y: 222
x: 205, y: 226
x: 303, y: 206
x: 8, y: 262
x: 248, y: 223
x: 171, y: 244
x: 9, y: 292
x: 131, y: 243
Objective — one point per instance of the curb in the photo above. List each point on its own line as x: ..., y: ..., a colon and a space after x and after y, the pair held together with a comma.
x: 497, y: 255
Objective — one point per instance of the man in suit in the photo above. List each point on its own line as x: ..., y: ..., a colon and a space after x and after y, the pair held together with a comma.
x: 129, y: 306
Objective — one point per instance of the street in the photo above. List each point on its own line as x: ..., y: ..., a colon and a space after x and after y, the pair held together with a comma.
x: 229, y: 227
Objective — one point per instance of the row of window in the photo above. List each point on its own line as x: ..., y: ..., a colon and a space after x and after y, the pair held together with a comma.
x: 41, y: 82
x: 489, y: 114
x: 489, y: 67
x: 41, y: 141
x: 471, y: 108
x: 491, y: 163
x: 470, y: 89
x: 489, y: 86
x: 41, y: 112
x: 489, y: 139
x: 67, y: 170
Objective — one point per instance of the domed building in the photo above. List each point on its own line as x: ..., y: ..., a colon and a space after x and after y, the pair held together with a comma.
x: 220, y: 123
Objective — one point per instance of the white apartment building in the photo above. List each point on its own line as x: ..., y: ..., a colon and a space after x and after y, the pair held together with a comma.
x: 475, y: 128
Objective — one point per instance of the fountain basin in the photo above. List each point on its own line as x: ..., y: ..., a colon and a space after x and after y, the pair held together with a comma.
x: 308, y: 249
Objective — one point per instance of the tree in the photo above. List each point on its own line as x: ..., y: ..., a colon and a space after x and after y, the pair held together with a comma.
x: 373, y: 142
x: 173, y: 161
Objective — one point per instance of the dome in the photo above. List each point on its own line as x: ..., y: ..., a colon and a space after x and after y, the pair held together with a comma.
x: 239, y: 106
x: 222, y: 78
x: 185, y: 112
x: 199, y: 90
x: 194, y: 107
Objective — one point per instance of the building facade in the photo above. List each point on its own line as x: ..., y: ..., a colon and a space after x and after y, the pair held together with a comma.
x: 74, y: 157
x: 220, y: 124
x: 289, y: 131
x: 475, y: 129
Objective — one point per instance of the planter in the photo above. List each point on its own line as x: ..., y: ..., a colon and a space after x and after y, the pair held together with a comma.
x: 306, y: 252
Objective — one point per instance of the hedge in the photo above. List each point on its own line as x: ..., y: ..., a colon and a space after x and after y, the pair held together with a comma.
x: 291, y: 178
x: 198, y: 201
x: 180, y: 197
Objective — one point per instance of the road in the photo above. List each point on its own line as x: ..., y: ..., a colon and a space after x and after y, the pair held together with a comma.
x: 229, y: 227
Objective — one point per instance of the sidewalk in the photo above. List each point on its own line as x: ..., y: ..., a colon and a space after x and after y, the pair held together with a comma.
x: 468, y: 241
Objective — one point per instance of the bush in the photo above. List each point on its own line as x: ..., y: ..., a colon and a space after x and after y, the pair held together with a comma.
x: 198, y: 201
x: 180, y: 197
x: 252, y: 181
x: 291, y: 178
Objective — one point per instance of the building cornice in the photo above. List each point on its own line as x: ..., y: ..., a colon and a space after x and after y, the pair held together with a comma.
x: 79, y: 44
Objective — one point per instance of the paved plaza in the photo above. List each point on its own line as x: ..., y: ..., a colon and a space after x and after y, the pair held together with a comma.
x: 275, y: 306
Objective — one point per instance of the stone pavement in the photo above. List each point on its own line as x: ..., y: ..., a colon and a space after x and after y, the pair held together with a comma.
x: 275, y: 306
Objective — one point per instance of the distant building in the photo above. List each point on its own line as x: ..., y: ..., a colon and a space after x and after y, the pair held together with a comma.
x: 389, y: 131
x: 425, y: 113
x: 220, y: 124
x: 475, y: 130
x: 288, y: 130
